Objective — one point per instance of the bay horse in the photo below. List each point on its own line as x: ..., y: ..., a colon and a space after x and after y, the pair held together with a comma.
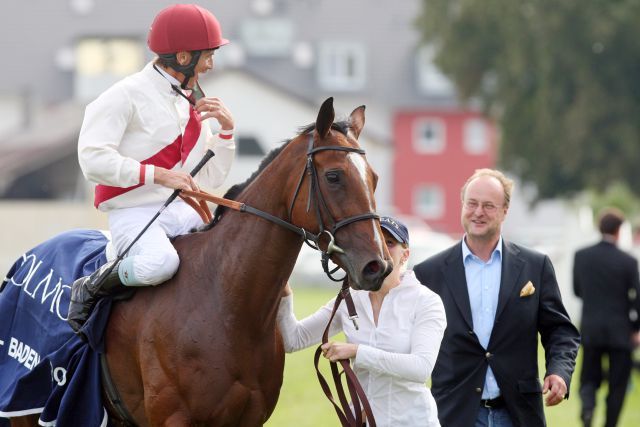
x: 203, y: 348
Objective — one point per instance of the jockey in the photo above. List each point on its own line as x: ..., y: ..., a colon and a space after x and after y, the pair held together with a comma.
x: 138, y: 142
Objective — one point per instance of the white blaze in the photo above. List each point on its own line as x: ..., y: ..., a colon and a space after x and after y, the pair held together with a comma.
x: 361, y: 166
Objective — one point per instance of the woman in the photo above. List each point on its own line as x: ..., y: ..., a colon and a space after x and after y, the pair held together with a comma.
x: 394, y: 351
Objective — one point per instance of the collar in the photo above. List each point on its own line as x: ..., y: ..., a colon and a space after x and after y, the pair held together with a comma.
x: 162, y: 80
x: 466, y: 252
x: 168, y: 76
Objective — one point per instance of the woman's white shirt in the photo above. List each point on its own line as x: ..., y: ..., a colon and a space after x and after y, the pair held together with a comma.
x: 394, y: 358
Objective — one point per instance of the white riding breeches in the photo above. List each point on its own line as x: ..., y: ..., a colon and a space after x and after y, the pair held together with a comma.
x: 152, y: 259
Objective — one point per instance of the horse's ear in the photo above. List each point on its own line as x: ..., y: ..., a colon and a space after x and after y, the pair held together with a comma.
x: 325, y: 118
x: 356, y: 120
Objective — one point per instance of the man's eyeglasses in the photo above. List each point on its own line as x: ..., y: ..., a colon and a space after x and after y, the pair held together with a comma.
x: 472, y: 205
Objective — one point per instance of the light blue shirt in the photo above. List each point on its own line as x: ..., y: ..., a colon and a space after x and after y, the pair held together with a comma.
x: 483, y: 285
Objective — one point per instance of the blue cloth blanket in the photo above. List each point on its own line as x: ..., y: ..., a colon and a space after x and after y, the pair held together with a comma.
x: 44, y: 367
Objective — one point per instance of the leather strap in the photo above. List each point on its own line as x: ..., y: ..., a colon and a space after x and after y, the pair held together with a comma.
x: 112, y: 396
x: 348, y: 417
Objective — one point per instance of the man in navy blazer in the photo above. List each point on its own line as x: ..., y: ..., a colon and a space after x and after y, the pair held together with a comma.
x: 604, y: 277
x: 498, y: 296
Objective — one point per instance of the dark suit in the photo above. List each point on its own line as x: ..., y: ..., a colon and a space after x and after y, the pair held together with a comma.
x: 602, y: 277
x: 459, y: 374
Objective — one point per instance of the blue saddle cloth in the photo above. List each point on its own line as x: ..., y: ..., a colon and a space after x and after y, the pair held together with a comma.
x: 44, y: 367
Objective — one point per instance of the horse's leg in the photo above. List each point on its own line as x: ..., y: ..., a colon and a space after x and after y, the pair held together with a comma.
x: 25, y: 421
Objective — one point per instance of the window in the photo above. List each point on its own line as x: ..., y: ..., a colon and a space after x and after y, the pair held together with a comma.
x: 100, y: 62
x: 268, y: 37
x: 429, y: 136
x: 475, y: 136
x: 428, y: 201
x: 341, y: 66
x: 431, y: 81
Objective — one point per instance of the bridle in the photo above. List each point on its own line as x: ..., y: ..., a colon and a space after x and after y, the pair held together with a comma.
x: 361, y: 411
x: 320, y: 206
x: 315, y: 198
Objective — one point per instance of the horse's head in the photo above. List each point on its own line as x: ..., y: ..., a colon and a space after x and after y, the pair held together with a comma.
x: 334, y: 197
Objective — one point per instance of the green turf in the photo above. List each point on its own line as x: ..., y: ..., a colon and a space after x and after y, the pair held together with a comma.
x: 303, y: 404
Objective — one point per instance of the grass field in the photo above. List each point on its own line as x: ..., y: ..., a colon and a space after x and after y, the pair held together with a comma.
x: 303, y: 404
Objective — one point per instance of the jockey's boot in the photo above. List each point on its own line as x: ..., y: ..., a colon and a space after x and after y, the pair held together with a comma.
x: 86, y: 291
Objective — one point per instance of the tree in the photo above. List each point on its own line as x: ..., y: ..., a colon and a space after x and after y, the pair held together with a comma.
x: 561, y: 78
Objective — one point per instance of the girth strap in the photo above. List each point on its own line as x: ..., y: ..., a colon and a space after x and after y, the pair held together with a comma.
x: 112, y: 396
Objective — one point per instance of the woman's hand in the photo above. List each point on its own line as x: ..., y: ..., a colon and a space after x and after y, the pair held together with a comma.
x: 287, y: 290
x: 214, y: 107
x: 335, y: 351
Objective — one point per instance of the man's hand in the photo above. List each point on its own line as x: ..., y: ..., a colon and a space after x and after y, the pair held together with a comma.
x: 635, y: 339
x: 177, y: 180
x: 335, y: 351
x: 214, y: 107
x: 556, y: 388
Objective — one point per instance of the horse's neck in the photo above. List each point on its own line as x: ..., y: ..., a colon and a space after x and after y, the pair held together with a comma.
x: 261, y: 269
x: 261, y: 258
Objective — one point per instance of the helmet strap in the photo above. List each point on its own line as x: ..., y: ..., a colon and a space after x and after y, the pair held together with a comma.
x: 187, y: 70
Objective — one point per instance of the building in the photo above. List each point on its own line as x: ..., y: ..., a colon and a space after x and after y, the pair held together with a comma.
x: 435, y: 152
x: 285, y: 58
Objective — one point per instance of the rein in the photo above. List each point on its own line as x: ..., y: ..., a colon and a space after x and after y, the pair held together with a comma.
x: 348, y: 417
x: 204, y: 212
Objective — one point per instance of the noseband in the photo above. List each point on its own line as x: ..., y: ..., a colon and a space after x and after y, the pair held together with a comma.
x: 320, y: 207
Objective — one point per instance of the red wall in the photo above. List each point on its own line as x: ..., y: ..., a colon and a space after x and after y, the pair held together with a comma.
x: 449, y: 169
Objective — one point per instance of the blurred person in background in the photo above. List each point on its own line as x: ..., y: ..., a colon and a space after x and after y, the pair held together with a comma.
x: 497, y: 296
x: 138, y: 142
x: 605, y: 277
x: 394, y: 349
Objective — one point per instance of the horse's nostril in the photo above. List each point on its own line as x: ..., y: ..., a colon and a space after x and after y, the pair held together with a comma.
x: 374, y: 274
x: 372, y: 268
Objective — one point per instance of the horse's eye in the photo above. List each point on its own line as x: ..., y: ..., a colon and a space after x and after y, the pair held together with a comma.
x: 332, y: 177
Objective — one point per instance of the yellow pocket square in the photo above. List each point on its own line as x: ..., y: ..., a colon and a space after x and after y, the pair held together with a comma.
x: 527, y: 290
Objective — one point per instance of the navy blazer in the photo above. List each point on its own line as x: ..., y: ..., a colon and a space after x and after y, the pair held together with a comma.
x: 603, y: 275
x: 459, y: 375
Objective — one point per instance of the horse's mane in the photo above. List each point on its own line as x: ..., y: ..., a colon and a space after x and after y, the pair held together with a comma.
x: 235, y: 190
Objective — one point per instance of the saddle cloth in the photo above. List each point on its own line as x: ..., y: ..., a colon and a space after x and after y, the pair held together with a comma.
x: 44, y: 367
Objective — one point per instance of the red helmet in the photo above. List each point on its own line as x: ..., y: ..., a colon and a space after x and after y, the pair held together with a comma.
x: 184, y: 27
